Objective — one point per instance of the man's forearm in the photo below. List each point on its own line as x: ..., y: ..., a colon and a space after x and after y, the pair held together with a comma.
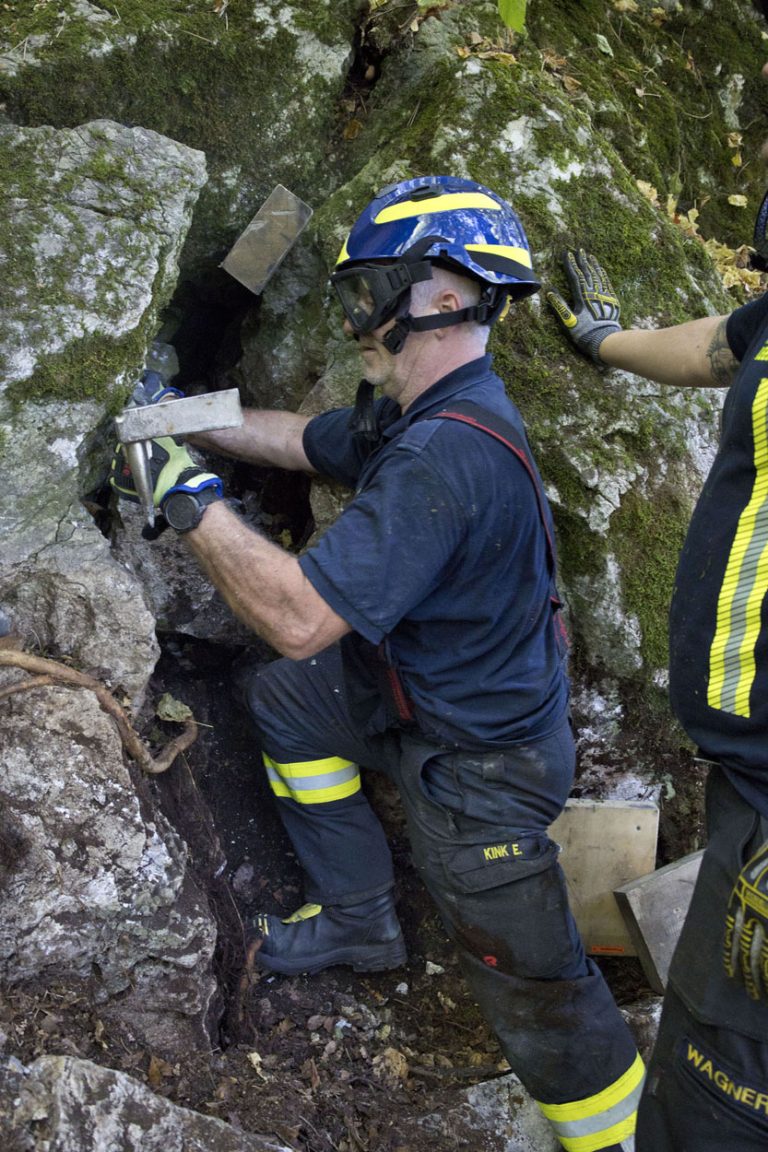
x: 267, y: 438
x: 264, y: 585
x: 691, y: 355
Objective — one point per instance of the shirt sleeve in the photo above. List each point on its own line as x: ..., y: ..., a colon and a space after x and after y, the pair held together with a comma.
x: 744, y: 324
x: 389, y: 548
x: 330, y: 448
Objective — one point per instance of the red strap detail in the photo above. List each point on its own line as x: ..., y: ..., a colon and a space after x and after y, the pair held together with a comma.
x: 522, y: 456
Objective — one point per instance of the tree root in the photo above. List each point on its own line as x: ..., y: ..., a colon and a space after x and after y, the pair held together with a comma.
x: 52, y: 672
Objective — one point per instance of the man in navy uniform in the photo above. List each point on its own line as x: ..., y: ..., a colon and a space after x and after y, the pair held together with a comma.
x: 421, y: 636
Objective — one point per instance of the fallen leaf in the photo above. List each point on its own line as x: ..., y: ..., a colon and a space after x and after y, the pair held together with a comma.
x: 496, y: 54
x: 603, y: 45
x: 170, y: 709
x: 648, y: 191
x: 158, y: 1071
x: 626, y: 6
x: 737, y: 200
x: 734, y: 139
x: 570, y: 83
x: 554, y: 61
x: 353, y: 130
x: 736, y: 159
x: 390, y: 1065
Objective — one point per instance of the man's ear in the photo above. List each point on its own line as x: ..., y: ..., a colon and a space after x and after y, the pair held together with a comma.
x: 449, y: 301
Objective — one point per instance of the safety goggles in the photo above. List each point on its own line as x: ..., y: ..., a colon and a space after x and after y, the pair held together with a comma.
x: 371, y: 294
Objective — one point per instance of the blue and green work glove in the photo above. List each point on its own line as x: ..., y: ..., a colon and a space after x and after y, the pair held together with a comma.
x: 746, y: 927
x: 595, y: 311
x: 172, y: 470
x: 181, y: 489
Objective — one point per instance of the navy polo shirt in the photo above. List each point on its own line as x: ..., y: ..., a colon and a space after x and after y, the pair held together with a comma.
x: 441, y: 554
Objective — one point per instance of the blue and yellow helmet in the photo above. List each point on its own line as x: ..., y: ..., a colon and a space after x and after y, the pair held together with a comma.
x: 409, y: 226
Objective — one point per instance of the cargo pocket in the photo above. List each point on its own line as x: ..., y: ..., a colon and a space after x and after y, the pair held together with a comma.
x: 491, y: 862
x: 510, y: 906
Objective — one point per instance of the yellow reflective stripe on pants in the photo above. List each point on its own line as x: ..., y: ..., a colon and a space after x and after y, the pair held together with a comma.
x: 601, y: 1120
x: 313, y: 781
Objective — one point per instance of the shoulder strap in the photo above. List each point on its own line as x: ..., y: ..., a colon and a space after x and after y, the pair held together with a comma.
x: 502, y: 430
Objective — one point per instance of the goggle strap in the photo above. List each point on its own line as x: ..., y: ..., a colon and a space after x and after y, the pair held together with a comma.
x: 484, y: 313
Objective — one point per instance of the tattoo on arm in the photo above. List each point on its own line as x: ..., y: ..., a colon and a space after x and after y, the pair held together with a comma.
x: 722, y: 362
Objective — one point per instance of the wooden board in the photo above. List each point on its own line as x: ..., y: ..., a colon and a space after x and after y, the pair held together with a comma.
x: 654, y: 908
x: 605, y: 844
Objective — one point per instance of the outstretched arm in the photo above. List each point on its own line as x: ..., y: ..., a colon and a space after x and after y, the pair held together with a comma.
x: 694, y: 355
x: 691, y: 355
x: 268, y: 438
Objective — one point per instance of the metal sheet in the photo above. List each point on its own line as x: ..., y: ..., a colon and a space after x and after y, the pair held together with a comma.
x: 268, y: 238
x: 205, y: 413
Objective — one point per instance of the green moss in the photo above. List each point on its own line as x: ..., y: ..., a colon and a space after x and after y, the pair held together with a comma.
x: 658, y: 97
x: 647, y: 535
x: 224, y: 86
x: 85, y: 370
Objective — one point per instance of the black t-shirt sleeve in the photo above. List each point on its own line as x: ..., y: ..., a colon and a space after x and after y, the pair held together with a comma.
x: 743, y: 325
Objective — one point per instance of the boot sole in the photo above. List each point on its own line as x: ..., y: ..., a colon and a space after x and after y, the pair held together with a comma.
x: 378, y: 958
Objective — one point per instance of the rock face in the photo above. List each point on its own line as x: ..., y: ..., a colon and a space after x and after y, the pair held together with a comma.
x: 95, y: 886
x: 100, y: 213
x: 60, y: 1103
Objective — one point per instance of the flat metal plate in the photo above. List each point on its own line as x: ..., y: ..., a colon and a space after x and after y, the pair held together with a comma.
x: 205, y: 413
x: 605, y: 843
x: 268, y: 238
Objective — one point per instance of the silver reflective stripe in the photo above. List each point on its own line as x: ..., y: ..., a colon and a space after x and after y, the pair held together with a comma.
x: 314, y: 783
x: 573, y: 1129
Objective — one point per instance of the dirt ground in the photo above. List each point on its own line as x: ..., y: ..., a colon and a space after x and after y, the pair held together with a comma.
x: 337, y: 1062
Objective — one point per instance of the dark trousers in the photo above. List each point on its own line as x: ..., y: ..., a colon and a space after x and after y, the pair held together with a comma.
x: 478, y: 830
x: 707, y: 1086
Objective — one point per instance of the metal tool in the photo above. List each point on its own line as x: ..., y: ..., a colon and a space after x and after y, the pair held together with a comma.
x: 138, y: 425
x: 253, y: 258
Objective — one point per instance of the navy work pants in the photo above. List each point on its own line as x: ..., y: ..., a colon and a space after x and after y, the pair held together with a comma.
x: 707, y: 1085
x: 478, y: 830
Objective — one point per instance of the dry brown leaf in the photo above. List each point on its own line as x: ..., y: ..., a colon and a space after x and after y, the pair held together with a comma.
x: 570, y: 83
x: 353, y: 129
x: 158, y: 1071
x: 390, y: 1065
x: 554, y: 61
x: 497, y: 54
x: 734, y: 139
x: 648, y: 191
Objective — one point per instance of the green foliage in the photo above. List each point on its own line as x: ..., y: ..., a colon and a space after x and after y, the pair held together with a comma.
x: 512, y: 13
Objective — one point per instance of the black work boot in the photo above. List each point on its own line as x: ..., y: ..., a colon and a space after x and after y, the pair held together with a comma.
x: 366, y: 935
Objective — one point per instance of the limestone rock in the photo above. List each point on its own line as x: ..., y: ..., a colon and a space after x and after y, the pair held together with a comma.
x: 100, y: 213
x: 60, y: 1103
x: 95, y: 887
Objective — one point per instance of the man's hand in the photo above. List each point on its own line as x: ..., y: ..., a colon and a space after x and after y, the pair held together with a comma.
x: 595, y: 311
x: 172, y: 470
x: 746, y: 927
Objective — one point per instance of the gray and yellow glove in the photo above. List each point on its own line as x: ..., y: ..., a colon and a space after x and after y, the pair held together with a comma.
x: 746, y: 927
x: 595, y: 311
